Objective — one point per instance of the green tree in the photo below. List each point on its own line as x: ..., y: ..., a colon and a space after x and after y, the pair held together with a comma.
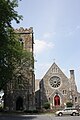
x: 11, y: 51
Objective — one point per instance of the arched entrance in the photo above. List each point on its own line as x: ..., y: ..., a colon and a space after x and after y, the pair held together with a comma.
x: 19, y: 103
x: 56, y: 101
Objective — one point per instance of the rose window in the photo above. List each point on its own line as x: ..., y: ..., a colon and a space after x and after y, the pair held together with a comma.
x: 55, y: 81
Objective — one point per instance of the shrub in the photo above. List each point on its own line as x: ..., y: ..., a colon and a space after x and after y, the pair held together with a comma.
x: 69, y: 104
x: 35, y: 111
x: 31, y: 111
x: 28, y: 111
x: 47, y: 105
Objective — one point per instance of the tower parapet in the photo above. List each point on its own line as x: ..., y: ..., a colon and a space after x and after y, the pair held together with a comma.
x: 25, y: 31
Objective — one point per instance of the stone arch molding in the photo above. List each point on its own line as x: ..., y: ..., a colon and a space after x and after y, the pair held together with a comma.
x: 56, y: 93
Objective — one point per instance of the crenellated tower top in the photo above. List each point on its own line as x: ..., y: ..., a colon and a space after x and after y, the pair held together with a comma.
x: 26, y: 37
x: 24, y: 31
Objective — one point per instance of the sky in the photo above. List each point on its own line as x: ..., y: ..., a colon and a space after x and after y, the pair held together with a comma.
x: 56, y: 26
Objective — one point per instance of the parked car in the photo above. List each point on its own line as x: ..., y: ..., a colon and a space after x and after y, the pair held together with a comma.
x: 67, y: 111
x: 77, y: 107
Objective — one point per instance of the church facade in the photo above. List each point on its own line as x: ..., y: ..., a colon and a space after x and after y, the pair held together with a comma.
x: 24, y: 93
x: 57, y: 89
x: 19, y: 93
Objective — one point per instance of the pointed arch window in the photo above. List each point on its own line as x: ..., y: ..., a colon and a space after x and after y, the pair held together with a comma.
x: 76, y: 99
x: 64, y: 92
x: 21, y: 41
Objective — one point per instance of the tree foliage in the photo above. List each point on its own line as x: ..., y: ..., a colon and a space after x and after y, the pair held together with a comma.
x: 11, y: 51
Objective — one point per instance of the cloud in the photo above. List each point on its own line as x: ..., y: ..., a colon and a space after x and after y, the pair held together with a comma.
x: 48, y: 34
x: 41, y: 45
x: 76, y: 29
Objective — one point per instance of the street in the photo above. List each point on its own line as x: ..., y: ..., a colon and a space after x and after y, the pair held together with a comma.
x: 37, y: 117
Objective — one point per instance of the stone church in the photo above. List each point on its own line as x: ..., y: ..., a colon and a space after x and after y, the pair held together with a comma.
x: 57, y: 89
x: 19, y: 93
x: 24, y: 93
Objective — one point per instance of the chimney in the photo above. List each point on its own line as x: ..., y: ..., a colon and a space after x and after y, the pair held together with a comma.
x: 72, y: 80
x: 72, y: 77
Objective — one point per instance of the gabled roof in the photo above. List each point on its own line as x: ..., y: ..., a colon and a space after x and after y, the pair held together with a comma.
x: 54, y: 69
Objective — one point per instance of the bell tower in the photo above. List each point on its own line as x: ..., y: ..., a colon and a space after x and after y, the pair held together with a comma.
x: 20, y: 93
